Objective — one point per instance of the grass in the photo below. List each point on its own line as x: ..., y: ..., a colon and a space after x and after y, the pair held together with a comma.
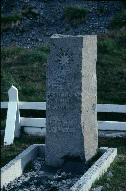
x: 111, y: 67
x: 29, y: 167
x: 75, y: 14
x: 10, y: 152
x: 124, y: 3
x: 29, y: 11
x: 3, y: 124
x: 119, y: 20
x: 101, y: 9
x: 13, y: 17
x: 10, y: 21
x: 25, y: 69
x: 118, y: 167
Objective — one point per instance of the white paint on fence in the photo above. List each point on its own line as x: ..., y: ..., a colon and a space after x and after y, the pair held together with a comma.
x: 13, y: 117
x: 112, y: 134
x: 111, y: 108
x: 34, y: 122
x: 27, y: 105
x: 35, y: 131
x: 4, y: 105
x: 10, y: 123
x: 33, y: 105
x: 13, y: 94
x: 37, y: 126
x: 111, y: 126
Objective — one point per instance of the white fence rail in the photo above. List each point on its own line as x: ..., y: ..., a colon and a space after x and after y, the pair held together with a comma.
x: 28, y: 105
x: 113, y: 108
x: 37, y: 126
x: 111, y: 126
x: 35, y: 122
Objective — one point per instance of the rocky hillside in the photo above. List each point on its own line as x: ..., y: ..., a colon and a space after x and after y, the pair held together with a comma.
x: 30, y: 23
x: 26, y: 68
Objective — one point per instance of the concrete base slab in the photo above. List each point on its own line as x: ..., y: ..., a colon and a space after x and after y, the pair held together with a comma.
x: 15, y: 168
x: 112, y: 134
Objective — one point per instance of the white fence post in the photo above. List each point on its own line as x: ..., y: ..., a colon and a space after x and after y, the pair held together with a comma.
x: 13, y: 117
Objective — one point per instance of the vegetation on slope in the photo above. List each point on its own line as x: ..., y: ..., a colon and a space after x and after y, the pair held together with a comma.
x: 25, y: 69
x: 111, y: 68
x: 10, y: 21
x: 75, y: 14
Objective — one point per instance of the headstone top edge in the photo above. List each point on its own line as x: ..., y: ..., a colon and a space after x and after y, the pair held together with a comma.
x: 70, y: 36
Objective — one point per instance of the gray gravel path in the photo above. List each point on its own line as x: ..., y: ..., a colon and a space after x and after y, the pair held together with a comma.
x: 39, y: 180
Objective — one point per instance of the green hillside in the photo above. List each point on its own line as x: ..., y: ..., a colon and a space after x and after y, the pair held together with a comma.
x: 26, y: 69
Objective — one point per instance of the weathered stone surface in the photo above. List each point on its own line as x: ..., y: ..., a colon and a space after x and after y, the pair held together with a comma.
x: 71, y: 99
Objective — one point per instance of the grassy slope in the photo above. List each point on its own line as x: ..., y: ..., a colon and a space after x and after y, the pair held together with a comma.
x: 111, y: 70
x: 75, y: 14
x: 26, y: 69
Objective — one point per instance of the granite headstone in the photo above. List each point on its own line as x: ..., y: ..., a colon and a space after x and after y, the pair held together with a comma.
x: 71, y: 101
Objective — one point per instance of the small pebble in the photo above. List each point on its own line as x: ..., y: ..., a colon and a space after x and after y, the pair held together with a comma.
x: 107, y: 185
x: 99, y: 188
x: 110, y: 174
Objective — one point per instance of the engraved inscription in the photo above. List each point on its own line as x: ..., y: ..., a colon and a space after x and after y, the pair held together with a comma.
x: 64, y: 59
x: 61, y: 126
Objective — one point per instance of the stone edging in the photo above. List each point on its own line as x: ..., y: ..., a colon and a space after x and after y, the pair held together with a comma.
x: 96, y: 170
x: 15, y: 167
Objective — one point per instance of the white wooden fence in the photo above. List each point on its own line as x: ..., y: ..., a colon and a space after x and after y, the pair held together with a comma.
x: 37, y: 126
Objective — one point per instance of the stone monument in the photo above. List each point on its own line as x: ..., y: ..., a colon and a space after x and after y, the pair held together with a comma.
x: 71, y: 113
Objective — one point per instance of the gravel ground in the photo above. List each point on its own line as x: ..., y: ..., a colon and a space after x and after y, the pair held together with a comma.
x: 35, y: 31
x: 40, y: 180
